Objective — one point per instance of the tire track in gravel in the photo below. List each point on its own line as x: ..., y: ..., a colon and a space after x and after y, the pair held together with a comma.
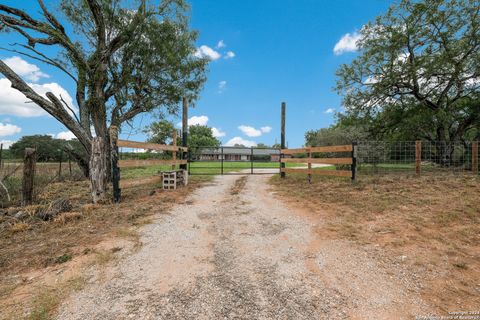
x: 234, y: 251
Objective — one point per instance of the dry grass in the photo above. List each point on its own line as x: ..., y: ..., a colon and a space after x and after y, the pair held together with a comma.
x: 238, y: 185
x: 434, y: 221
x: 46, y: 300
x: 32, y: 244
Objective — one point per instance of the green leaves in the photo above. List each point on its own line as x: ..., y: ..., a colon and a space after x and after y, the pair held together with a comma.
x: 420, y: 57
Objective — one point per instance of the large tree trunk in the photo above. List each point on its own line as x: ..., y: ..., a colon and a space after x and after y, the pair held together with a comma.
x: 444, y: 153
x: 98, y: 169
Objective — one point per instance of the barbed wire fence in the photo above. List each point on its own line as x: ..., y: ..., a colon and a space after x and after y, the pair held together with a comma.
x: 11, y: 174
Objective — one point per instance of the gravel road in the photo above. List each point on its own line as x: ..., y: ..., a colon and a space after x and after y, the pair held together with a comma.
x: 235, y: 251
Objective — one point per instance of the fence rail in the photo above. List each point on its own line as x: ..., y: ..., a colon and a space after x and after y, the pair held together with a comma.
x: 321, y: 159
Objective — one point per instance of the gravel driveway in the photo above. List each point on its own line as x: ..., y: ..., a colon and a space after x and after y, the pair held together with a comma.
x: 234, y: 251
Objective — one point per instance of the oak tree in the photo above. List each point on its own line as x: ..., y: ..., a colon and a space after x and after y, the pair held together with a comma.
x: 125, y: 58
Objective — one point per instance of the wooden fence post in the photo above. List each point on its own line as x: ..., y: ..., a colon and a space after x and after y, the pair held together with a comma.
x: 184, y: 131
x: 117, y: 192
x: 174, y: 153
x: 1, y: 156
x: 475, y: 157
x: 282, y: 139
x: 29, y: 164
x: 418, y: 156
x: 309, y: 165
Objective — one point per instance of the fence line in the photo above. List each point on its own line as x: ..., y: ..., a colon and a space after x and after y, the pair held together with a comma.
x: 325, y: 155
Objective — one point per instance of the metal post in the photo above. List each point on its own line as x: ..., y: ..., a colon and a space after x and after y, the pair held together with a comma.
x: 221, y: 157
x: 184, y: 131
x: 251, y: 160
x: 282, y: 140
x: 354, y: 161
x: 114, y: 155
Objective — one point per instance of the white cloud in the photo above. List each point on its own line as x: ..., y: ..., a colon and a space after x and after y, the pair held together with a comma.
x: 6, y: 143
x: 207, y: 52
x: 230, y: 55
x: 13, y: 102
x: 65, y: 135
x: 348, y: 43
x: 198, y: 120
x: 218, y: 133
x: 195, y: 120
x: 9, y: 129
x: 330, y: 110
x: 24, y: 69
x: 239, y: 140
x: 221, y: 44
x: 222, y: 86
x: 266, y: 129
x: 250, y: 131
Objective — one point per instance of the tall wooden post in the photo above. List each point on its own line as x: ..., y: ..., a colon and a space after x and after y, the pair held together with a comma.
x: 174, y: 153
x: 1, y: 156
x: 184, y: 131
x: 475, y: 157
x: 282, y: 139
x: 117, y: 192
x: 29, y: 164
x: 418, y: 156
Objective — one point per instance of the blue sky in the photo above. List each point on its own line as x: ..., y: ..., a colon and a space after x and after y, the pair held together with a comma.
x: 263, y: 52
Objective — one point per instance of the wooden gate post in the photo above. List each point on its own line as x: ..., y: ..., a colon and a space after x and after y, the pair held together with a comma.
x: 117, y: 192
x: 282, y: 140
x: 475, y: 157
x: 29, y: 164
x: 418, y: 156
x: 184, y: 131
x: 1, y: 155
x: 174, y: 153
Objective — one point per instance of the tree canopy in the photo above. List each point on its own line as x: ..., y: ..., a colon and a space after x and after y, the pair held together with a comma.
x: 198, y: 136
x: 48, y: 148
x: 125, y: 58
x: 201, y: 136
x: 418, y: 71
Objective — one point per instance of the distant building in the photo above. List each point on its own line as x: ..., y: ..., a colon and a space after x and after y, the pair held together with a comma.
x: 238, y: 154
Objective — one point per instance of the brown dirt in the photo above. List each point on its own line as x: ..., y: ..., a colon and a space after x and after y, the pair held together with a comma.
x: 235, y: 251
x: 46, y: 259
x: 431, y: 225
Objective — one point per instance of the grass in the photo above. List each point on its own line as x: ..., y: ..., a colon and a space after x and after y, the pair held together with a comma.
x: 432, y: 219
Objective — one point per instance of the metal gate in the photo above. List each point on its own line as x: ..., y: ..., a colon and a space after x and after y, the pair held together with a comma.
x: 233, y: 160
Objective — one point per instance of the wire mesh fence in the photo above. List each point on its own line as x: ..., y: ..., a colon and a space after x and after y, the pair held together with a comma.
x: 386, y: 157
